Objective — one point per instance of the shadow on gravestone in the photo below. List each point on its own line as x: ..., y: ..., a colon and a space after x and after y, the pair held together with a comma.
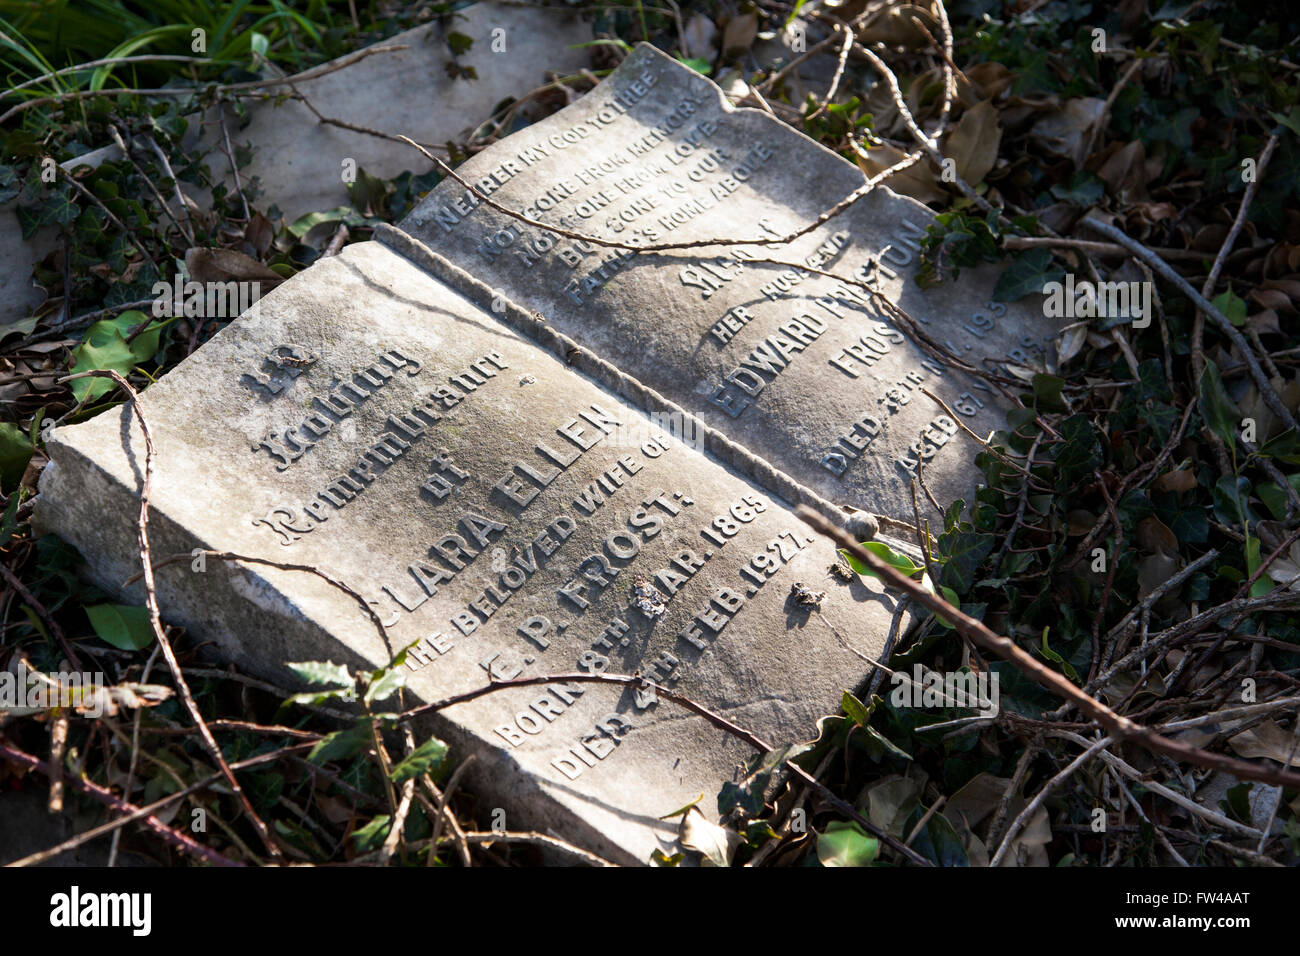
x: 804, y: 370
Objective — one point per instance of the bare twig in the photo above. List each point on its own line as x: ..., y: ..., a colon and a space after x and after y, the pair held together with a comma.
x: 155, y: 615
x: 1266, y: 391
x: 21, y: 590
x: 1032, y: 807
x: 835, y: 80
x: 1117, y: 725
x: 133, y: 813
x: 681, y: 700
x: 282, y: 566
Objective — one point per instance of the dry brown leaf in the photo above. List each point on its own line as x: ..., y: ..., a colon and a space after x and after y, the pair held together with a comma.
x: 740, y: 32
x: 1272, y: 299
x: 1266, y: 740
x: 224, y: 265
x: 1125, y: 172
x: 1154, y: 535
x: 1264, y: 323
x: 977, y: 799
x: 916, y: 181
x: 894, y: 27
x: 973, y: 144
x: 1067, y: 132
x: 1069, y: 343
x: 700, y: 37
x: 1184, y: 480
x: 259, y: 233
x: 985, y: 81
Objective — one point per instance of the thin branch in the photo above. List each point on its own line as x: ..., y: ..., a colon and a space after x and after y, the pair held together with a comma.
x: 1116, y: 725
x: 1266, y: 391
x: 1032, y: 807
x: 681, y: 700
x: 155, y: 614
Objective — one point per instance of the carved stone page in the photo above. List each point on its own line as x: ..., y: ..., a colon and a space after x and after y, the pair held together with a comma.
x: 801, y: 368
x: 502, y: 515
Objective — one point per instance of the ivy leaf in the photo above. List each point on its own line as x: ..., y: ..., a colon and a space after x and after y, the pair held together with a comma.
x: 1028, y: 273
x: 948, y: 594
x: 125, y: 627
x: 895, y: 559
x: 424, y: 759
x: 15, y: 452
x: 1232, y: 306
x: 715, y: 843
x: 1283, y: 447
x: 1081, y: 454
x: 344, y: 214
x: 938, y: 840
x: 1274, y: 498
x: 1047, y: 392
x: 845, y: 843
x: 105, y: 347
x: 855, y: 710
x: 965, y: 554
x: 342, y: 744
x: 322, y: 672
x: 697, y: 64
x: 59, y: 208
x: 748, y: 795
x: 10, y: 184
x: 1265, y: 583
x: 372, y: 834
x: 1220, y: 412
x: 1232, y: 501
x: 385, y: 684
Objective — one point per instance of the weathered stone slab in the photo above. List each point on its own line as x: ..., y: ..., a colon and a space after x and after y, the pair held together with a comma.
x: 297, y: 160
x: 493, y: 505
x: 800, y: 368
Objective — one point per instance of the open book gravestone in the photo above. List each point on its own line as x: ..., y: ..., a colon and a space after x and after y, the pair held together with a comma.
x: 800, y: 368
x: 528, y: 504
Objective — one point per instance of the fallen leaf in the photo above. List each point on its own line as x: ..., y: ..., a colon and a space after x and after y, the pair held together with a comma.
x: 976, y: 800
x: 739, y: 34
x: 1069, y: 343
x: 716, y: 843
x: 1125, y: 172
x: 259, y: 233
x: 223, y: 265
x: 916, y: 181
x: 894, y: 27
x: 1067, y: 132
x: 1184, y: 480
x: 1264, y: 323
x: 1154, y: 535
x: 1267, y: 740
x: 973, y: 144
x: 700, y: 38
